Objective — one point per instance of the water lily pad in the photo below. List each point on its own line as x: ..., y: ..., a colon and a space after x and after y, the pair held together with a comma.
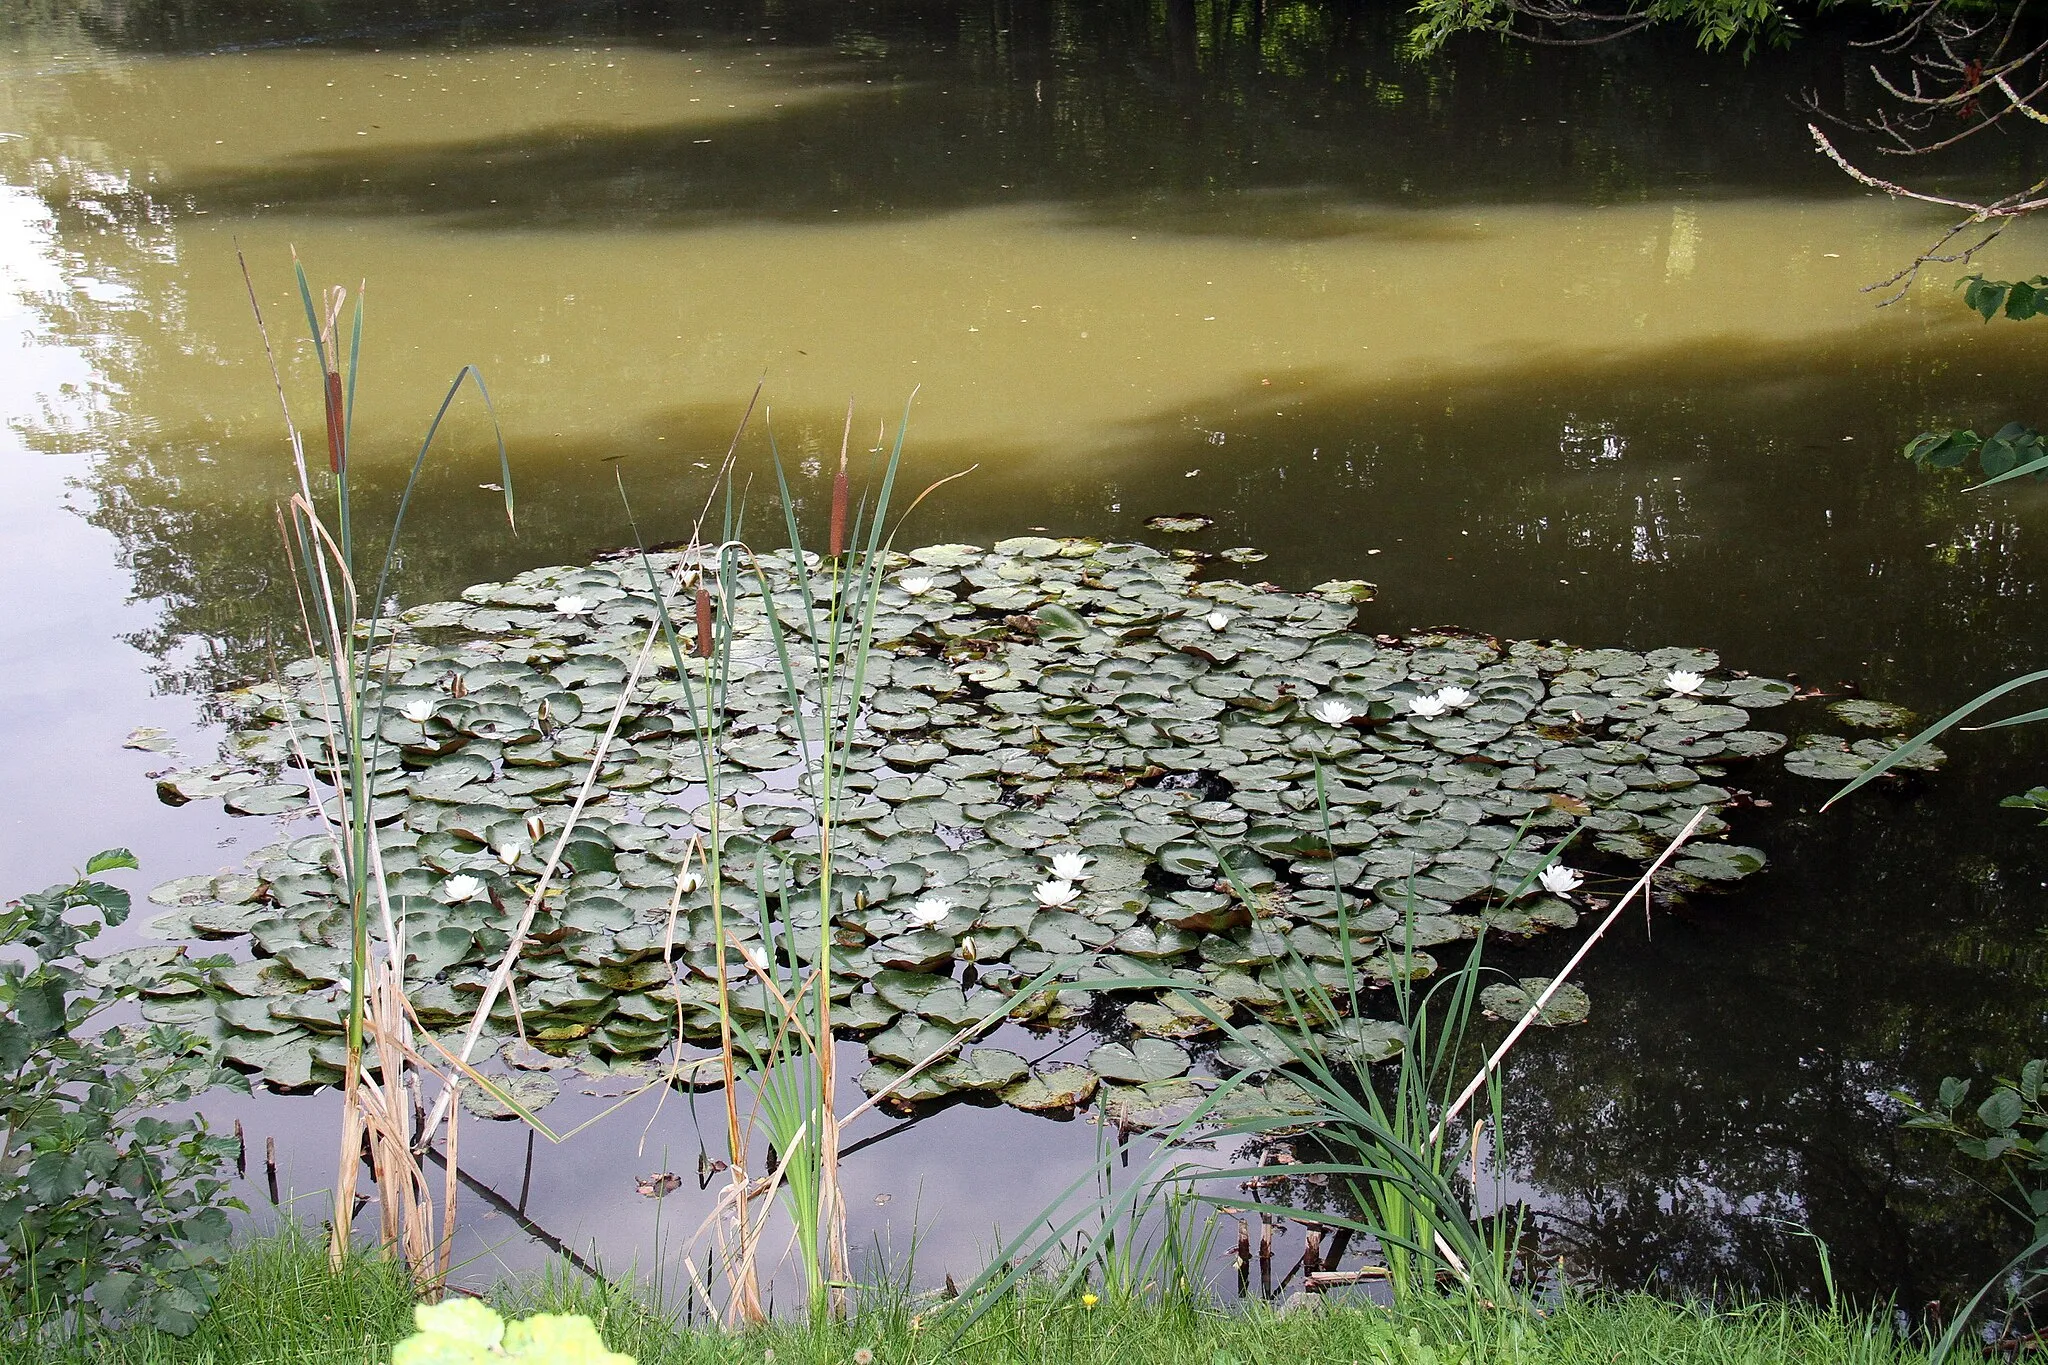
x: 1060, y: 1089
x: 1153, y: 1104
x: 1349, y: 591
x: 533, y: 1090
x: 1512, y: 1000
x: 910, y: 1040
x: 985, y: 1068
x: 1142, y: 1059
x: 1185, y: 523
x: 1872, y: 715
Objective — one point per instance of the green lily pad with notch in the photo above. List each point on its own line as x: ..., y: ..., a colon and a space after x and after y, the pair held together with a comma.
x: 284, y: 1060
x: 985, y: 1068
x: 1162, y: 1019
x: 1872, y: 715
x: 1363, y: 1040
x: 923, y: 951
x: 910, y: 1040
x: 1180, y: 524
x: 1511, y: 1001
x: 533, y: 1090
x: 1154, y: 941
x: 1142, y: 1059
x: 268, y: 800
x: 1061, y: 1089
x: 1255, y: 1048
x: 1719, y: 862
x: 923, y: 1088
x: 1153, y: 1104
x: 863, y: 1014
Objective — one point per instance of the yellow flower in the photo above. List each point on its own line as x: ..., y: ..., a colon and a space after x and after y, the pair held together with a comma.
x: 1089, y: 1300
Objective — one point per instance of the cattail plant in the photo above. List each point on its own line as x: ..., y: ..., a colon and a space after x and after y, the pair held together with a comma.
x: 381, y: 1068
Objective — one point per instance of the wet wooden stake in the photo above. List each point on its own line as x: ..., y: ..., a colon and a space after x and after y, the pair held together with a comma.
x: 241, y: 1152
x: 1311, y: 1251
x: 270, y: 1167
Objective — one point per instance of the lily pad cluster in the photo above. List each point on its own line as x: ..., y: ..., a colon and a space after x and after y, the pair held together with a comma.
x: 1071, y: 756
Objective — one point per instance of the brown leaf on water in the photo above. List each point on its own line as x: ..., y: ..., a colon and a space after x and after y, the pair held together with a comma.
x: 658, y: 1186
x: 1570, y: 805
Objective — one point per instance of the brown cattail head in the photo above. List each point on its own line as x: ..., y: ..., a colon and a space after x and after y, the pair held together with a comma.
x: 705, y: 643
x: 337, y: 420
x: 840, y: 492
x: 336, y: 442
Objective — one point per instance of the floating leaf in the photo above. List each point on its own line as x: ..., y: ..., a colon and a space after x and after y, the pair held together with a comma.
x: 1142, y: 1059
x: 1873, y: 715
x: 1511, y: 1001
x: 1182, y: 524
x: 1062, y: 1088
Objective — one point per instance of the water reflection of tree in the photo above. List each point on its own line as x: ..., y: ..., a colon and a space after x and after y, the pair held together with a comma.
x: 1133, y: 113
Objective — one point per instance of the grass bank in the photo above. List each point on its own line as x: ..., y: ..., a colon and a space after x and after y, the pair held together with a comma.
x: 280, y: 1305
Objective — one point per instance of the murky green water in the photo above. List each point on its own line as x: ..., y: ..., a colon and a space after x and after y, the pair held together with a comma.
x: 1545, y: 343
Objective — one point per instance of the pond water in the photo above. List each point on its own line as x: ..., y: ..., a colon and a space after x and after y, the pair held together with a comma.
x: 1547, y: 344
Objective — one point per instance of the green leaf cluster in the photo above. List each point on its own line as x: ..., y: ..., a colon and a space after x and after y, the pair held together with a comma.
x: 2011, y: 451
x: 107, y: 1211
x: 1716, y: 24
x: 2018, y: 299
x: 2008, y: 1130
x: 466, y: 1332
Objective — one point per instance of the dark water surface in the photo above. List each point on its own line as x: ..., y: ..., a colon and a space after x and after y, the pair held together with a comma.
x: 1546, y: 343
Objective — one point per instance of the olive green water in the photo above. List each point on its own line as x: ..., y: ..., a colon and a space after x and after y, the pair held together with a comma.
x: 1551, y: 344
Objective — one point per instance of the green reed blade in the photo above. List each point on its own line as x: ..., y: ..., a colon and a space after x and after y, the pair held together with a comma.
x: 1927, y: 736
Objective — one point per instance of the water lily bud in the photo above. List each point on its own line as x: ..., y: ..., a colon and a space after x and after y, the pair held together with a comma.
x: 534, y: 827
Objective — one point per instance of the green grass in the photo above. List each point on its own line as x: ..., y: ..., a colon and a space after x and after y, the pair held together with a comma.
x: 280, y: 1305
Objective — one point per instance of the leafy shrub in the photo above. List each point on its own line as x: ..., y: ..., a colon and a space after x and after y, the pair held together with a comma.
x: 107, y: 1212
x: 465, y: 1332
x: 2008, y: 1131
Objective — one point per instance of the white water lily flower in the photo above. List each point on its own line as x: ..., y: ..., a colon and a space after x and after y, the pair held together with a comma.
x: 1428, y: 705
x: 509, y: 852
x: 1454, y: 696
x: 929, y: 911
x: 917, y: 584
x: 1560, y: 880
x: 1332, y: 711
x: 1070, y: 867
x: 1216, y: 620
x: 464, y: 887
x: 1684, y: 681
x: 689, y: 882
x: 1054, y: 894
x: 572, y: 605
x: 418, y: 711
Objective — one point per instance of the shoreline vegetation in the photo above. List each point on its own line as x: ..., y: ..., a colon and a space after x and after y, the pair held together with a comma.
x: 281, y: 1303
